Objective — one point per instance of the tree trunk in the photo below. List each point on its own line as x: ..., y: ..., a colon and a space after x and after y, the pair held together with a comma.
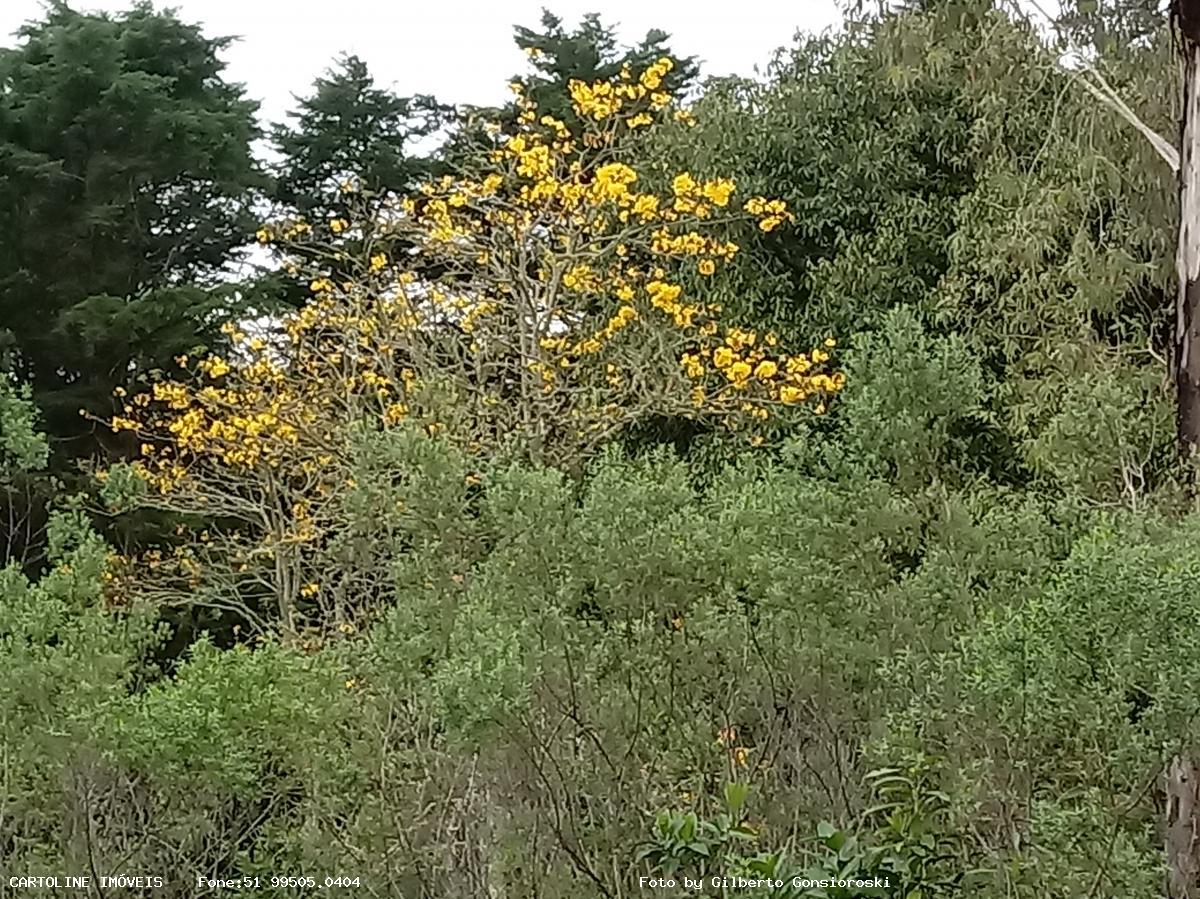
x: 1186, y: 14
x: 1182, y: 781
x: 1182, y: 837
x: 1187, y: 258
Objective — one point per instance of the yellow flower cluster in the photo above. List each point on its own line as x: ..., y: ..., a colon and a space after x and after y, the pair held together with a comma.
x: 652, y: 78
x: 602, y: 99
x: 742, y: 360
x: 771, y: 213
x: 582, y: 277
x: 693, y: 196
x: 257, y: 411
x: 613, y: 181
x: 625, y: 316
x: 284, y: 231
x: 665, y: 296
x: 599, y: 100
x: 691, y: 243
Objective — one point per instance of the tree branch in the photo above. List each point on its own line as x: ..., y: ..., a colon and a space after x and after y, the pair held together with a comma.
x: 1108, y: 97
x: 1104, y: 92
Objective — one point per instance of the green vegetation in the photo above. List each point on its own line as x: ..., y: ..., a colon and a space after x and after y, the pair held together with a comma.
x: 861, y: 550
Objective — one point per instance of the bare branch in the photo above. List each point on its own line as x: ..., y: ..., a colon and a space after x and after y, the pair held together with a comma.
x: 1109, y: 97
x: 1104, y: 92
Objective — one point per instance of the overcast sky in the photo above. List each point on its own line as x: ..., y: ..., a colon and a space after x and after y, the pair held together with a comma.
x: 462, y: 52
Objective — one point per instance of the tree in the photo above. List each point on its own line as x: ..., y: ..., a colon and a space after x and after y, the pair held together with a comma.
x: 1186, y: 18
x: 1183, y: 811
x: 1106, y: 24
x: 349, y: 134
x: 569, y: 306
x: 23, y: 450
x: 126, y: 177
x: 351, y: 131
x: 590, y: 53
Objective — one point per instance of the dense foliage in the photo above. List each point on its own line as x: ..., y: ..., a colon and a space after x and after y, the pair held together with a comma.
x: 767, y: 479
x: 126, y: 183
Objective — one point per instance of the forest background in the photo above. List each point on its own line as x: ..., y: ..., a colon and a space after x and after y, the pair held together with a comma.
x: 662, y: 476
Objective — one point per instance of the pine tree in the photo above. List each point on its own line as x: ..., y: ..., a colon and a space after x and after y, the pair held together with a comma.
x: 558, y: 56
x: 351, y: 130
x: 126, y: 179
x: 589, y: 53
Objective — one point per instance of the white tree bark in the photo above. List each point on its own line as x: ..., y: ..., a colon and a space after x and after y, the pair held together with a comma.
x: 1187, y: 255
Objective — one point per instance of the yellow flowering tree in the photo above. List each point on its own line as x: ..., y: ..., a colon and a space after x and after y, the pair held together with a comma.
x: 572, y: 295
x: 551, y: 300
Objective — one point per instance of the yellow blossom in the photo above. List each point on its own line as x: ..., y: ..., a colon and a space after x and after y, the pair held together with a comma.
x: 683, y: 184
x: 791, y: 395
x: 718, y: 192
x: 215, y: 367
x: 766, y: 370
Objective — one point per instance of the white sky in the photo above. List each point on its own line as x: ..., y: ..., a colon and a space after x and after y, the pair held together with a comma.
x: 461, y: 51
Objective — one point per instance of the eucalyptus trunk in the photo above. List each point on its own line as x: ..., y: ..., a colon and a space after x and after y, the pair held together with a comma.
x: 1182, y: 782
x: 1187, y: 257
